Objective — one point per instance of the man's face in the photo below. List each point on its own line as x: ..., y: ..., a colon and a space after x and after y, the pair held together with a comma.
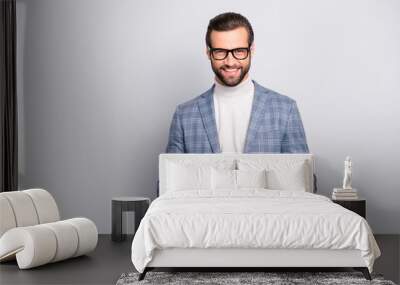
x: 230, y: 71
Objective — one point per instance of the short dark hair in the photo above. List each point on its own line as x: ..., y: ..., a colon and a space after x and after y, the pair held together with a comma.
x: 227, y: 22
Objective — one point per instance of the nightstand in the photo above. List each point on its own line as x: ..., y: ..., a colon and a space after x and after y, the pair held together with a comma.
x: 358, y: 206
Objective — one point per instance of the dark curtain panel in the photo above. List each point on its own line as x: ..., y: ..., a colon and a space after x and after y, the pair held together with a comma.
x: 8, y: 93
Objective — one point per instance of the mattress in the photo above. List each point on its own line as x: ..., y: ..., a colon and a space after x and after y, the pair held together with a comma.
x: 251, y: 219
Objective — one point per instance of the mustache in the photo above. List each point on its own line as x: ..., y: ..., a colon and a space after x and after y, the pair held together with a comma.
x: 230, y: 66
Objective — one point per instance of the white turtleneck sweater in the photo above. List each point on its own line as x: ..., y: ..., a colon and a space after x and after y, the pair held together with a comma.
x: 232, y: 106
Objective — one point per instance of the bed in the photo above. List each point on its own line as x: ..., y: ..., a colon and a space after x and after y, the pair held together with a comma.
x: 245, y: 211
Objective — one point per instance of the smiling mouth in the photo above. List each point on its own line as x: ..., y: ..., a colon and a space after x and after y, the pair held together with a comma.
x: 231, y: 71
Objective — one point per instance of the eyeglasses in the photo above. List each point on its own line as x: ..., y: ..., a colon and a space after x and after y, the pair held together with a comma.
x: 238, y: 53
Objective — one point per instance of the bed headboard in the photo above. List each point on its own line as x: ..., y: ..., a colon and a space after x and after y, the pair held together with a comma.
x: 212, y: 158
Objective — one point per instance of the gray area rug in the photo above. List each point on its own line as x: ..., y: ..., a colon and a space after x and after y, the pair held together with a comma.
x: 229, y: 278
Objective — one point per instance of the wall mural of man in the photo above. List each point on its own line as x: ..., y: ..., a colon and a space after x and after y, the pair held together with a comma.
x: 236, y: 115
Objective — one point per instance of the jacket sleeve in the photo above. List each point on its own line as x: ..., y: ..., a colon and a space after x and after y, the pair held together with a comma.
x: 176, y: 138
x: 294, y: 138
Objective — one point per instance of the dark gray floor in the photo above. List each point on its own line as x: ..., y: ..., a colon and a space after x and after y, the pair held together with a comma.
x: 389, y: 262
x: 110, y: 260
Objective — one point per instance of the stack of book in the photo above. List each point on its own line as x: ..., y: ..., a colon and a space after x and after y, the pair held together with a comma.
x: 344, y: 194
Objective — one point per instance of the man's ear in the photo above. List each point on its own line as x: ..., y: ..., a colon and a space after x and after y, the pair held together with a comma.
x: 208, y: 53
x: 253, y: 48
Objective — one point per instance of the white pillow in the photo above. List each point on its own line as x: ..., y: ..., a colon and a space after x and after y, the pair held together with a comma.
x: 223, y: 179
x: 182, y: 177
x: 288, y: 176
x: 251, y: 178
x: 281, y: 174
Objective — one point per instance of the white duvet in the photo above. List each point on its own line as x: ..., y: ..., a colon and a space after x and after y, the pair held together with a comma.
x: 251, y: 218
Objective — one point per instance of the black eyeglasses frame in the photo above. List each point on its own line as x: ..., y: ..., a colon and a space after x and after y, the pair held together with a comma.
x: 227, y: 51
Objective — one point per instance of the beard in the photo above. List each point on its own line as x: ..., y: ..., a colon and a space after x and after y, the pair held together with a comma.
x: 231, y: 81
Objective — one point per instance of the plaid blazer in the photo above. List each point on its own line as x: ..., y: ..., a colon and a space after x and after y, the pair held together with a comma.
x: 275, y: 125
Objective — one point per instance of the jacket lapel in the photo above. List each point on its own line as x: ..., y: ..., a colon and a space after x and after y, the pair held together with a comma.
x: 257, y: 114
x: 206, y: 107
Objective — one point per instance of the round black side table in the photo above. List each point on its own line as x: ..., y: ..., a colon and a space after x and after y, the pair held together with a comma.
x: 126, y: 204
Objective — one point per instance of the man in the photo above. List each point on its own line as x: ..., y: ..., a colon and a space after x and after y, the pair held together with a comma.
x: 237, y: 114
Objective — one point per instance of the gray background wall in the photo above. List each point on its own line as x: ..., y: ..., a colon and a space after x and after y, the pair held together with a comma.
x: 99, y: 81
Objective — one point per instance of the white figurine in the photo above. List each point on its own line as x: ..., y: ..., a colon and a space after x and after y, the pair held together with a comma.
x: 347, y: 174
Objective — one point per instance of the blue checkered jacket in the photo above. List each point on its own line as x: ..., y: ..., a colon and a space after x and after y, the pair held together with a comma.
x: 275, y: 125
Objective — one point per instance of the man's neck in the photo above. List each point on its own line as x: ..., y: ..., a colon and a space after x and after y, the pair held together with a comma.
x: 242, y: 88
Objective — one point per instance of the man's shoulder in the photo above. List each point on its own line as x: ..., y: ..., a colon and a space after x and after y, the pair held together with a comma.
x: 193, y: 103
x: 273, y: 96
x: 190, y: 103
